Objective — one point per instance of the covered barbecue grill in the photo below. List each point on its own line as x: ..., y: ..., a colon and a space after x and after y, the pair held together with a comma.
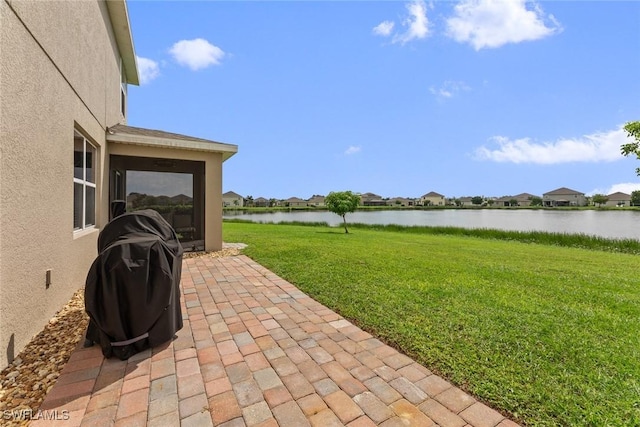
x: 132, y: 293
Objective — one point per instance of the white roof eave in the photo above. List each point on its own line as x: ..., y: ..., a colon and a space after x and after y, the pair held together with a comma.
x: 227, y: 150
x: 122, y: 31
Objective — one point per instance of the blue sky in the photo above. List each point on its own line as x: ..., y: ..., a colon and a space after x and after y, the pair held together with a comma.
x: 465, y: 98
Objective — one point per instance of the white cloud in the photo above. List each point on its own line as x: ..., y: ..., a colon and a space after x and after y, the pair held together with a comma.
x: 597, y: 147
x: 622, y: 187
x: 449, y: 89
x: 353, y: 150
x: 148, y: 69
x: 417, y: 23
x: 494, y: 23
x: 384, y: 28
x: 196, y: 54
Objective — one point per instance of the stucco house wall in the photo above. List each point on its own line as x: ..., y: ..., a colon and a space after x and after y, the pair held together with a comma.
x: 231, y: 199
x: 53, y: 79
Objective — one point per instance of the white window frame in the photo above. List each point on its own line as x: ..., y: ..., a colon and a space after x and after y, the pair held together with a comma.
x: 85, y: 183
x: 123, y: 91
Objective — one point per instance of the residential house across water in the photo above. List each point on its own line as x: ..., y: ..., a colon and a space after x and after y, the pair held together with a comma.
x: 231, y: 199
x: 522, y: 199
x: 618, y: 199
x: 317, y: 201
x: 432, y: 199
x: 564, y: 197
x: 293, y: 202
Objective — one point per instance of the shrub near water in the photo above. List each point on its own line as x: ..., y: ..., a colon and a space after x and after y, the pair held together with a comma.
x: 548, y: 334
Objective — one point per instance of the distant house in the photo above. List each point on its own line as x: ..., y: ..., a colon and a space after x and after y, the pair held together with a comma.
x: 465, y: 201
x: 400, y: 201
x: 523, y: 199
x: 432, y: 199
x: 316, y: 201
x: 563, y: 197
x: 261, y: 202
x: 371, y: 199
x: 293, y: 202
x: 618, y: 199
x: 231, y: 199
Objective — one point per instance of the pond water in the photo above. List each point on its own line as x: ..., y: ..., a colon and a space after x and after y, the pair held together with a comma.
x: 605, y: 223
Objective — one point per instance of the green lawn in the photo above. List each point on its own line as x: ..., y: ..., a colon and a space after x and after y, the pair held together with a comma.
x: 548, y: 334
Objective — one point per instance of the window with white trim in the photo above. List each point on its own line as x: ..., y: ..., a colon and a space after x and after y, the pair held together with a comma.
x: 84, y: 182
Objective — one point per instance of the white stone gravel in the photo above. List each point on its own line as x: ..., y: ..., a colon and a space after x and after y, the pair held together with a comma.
x: 26, y: 381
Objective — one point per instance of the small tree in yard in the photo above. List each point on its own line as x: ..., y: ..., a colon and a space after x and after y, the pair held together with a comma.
x: 635, y: 198
x: 535, y: 201
x: 633, y: 131
x: 341, y: 203
x: 599, y: 199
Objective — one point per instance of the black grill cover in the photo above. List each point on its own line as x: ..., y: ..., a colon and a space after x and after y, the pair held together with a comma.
x: 132, y: 293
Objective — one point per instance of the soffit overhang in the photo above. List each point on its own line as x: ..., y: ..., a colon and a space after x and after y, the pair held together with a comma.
x: 122, y: 30
x: 122, y: 134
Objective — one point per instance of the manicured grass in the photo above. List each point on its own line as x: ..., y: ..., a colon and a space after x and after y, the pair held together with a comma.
x: 548, y: 334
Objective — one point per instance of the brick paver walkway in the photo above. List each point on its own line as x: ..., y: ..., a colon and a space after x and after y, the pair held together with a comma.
x: 256, y: 351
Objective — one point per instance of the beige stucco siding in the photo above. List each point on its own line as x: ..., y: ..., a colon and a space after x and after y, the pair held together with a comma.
x: 231, y: 201
x: 435, y: 201
x: 39, y: 108
x: 573, y: 199
x: 81, y: 47
x: 213, y: 183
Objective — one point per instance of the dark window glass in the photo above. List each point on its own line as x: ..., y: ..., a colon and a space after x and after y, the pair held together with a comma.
x: 90, y: 206
x: 77, y: 206
x: 78, y: 150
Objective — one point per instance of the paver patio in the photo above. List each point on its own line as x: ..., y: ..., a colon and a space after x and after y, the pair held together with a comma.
x: 256, y: 351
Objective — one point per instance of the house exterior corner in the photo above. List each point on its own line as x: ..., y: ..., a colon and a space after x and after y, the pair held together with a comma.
x: 48, y: 96
x: 64, y: 71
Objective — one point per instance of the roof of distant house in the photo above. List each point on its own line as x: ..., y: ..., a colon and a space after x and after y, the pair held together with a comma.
x: 619, y: 196
x: 231, y: 194
x: 563, y: 191
x: 432, y: 194
x: 519, y: 197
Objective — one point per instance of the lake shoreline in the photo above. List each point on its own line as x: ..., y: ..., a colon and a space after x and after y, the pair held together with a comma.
x: 615, y: 223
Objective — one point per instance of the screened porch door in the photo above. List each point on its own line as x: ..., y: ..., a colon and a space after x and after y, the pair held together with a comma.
x: 174, y: 188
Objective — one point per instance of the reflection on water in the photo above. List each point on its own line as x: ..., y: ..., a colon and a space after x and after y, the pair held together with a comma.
x: 612, y: 224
